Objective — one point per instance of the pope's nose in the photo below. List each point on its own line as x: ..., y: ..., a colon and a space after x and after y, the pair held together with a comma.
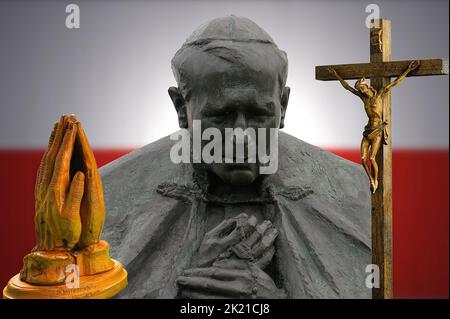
x: 242, y: 139
x: 241, y: 121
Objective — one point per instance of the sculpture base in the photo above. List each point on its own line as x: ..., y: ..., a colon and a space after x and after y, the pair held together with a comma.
x: 100, y: 286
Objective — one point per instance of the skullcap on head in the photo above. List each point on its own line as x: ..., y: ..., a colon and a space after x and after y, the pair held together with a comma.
x: 231, y: 28
x: 236, y: 41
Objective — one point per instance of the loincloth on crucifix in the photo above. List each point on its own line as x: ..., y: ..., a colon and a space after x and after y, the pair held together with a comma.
x: 371, y: 132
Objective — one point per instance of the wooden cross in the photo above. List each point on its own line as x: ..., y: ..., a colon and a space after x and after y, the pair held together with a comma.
x: 380, y: 70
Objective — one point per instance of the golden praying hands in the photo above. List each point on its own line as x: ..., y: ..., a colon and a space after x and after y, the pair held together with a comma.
x: 70, y: 210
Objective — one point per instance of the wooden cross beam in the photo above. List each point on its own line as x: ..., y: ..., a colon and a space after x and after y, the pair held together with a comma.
x: 380, y: 70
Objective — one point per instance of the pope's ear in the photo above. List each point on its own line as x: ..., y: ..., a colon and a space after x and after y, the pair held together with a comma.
x: 284, y: 104
x: 180, y: 106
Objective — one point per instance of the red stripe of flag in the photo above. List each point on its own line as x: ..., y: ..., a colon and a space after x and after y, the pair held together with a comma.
x: 420, y: 218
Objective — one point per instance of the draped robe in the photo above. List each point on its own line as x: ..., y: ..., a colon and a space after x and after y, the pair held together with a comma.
x: 319, y: 202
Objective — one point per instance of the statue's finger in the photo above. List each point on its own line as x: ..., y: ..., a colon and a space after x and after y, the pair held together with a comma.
x: 242, y: 230
x: 40, y: 173
x: 53, y: 149
x: 241, y: 216
x: 50, y: 156
x: 52, y: 135
x: 218, y: 273
x: 39, y: 192
x: 92, y: 206
x: 94, y: 186
x: 248, y: 225
x: 231, y: 263
x: 225, y: 227
x: 92, y: 209
x: 269, y: 237
x: 265, y: 243
x: 74, y: 197
x: 266, y: 258
x: 257, y: 234
x: 192, y: 294
x: 70, y: 221
x: 61, y: 172
x: 233, y: 238
x: 88, y: 155
x: 213, y: 285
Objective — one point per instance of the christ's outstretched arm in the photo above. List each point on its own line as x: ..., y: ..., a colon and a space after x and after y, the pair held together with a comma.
x: 343, y: 82
x: 412, y: 66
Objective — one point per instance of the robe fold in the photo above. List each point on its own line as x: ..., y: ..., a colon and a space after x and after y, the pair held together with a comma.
x: 319, y: 202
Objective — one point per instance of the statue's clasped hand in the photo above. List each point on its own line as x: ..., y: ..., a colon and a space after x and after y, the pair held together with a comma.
x: 231, y: 262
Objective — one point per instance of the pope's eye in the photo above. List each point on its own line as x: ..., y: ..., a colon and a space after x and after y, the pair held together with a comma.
x: 216, y: 116
x: 220, y: 115
x: 261, y: 114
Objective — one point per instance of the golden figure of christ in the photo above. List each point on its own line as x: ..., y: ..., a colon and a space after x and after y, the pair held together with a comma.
x: 376, y: 145
x: 375, y: 132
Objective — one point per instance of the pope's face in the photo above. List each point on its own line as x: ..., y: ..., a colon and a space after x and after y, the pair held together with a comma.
x: 236, y: 98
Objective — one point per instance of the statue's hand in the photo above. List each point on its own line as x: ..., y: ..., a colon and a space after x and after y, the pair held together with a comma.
x: 69, y: 209
x: 414, y: 65
x: 332, y: 71
x: 241, y: 279
x: 58, y: 195
x: 92, y: 210
x: 238, y: 273
x: 223, y: 236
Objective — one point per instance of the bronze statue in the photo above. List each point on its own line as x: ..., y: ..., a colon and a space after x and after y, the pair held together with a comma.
x: 375, y: 131
x: 208, y: 230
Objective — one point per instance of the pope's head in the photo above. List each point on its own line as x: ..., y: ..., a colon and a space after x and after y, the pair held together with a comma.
x: 230, y: 74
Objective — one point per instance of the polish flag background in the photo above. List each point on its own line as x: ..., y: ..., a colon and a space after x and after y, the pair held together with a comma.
x: 114, y: 71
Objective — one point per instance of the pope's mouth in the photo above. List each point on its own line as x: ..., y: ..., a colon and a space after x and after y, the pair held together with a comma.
x: 242, y: 160
x: 239, y: 165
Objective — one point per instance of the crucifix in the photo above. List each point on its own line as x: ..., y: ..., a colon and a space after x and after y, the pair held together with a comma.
x: 376, y: 145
